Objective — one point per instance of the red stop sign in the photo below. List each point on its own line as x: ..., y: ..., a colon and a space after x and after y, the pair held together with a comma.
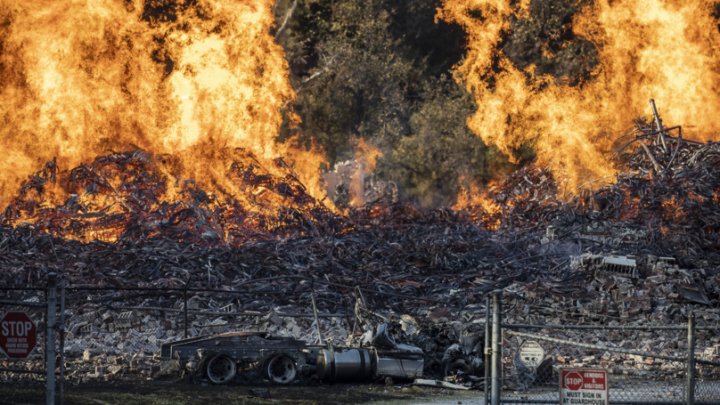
x: 573, y: 381
x: 18, y: 334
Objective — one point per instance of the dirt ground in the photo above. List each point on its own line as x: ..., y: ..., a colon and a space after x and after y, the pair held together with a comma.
x: 164, y: 393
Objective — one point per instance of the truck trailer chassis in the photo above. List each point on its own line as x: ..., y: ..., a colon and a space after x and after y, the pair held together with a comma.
x: 259, y: 356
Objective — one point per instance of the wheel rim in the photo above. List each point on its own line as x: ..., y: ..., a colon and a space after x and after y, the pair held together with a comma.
x: 221, y: 369
x: 281, y: 369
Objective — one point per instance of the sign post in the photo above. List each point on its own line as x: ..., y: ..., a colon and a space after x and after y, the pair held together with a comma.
x: 18, y: 334
x: 587, y: 386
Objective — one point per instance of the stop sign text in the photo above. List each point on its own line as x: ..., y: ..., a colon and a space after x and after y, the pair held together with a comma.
x: 17, y: 334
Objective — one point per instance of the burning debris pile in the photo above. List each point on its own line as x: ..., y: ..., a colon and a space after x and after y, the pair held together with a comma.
x: 207, y: 201
x: 634, y: 252
x: 137, y: 195
x: 668, y: 190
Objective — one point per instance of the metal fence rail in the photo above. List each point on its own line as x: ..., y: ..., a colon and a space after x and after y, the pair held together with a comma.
x: 680, y: 377
x: 642, y: 377
x: 51, y: 301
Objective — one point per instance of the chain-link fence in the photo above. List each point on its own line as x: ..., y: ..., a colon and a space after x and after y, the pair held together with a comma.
x: 631, y: 377
x: 645, y: 364
x: 28, y: 337
x: 525, y: 357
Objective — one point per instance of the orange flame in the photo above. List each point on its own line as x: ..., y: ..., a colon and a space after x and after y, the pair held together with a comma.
x: 663, y: 49
x: 474, y: 199
x: 192, y: 78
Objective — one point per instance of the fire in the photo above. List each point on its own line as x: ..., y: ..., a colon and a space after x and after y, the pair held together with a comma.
x: 194, y: 79
x: 663, y: 49
x: 135, y: 195
x: 672, y: 209
x: 474, y: 199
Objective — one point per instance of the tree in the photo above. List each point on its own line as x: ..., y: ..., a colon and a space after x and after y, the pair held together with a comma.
x: 379, y: 70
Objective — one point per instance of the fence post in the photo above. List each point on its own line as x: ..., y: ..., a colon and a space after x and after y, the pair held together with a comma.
x: 50, y: 339
x: 185, y: 312
x: 488, y: 350
x: 61, y: 382
x: 690, y: 389
x: 496, y: 349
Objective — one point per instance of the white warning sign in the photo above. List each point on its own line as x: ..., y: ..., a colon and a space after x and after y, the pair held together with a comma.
x: 531, y: 353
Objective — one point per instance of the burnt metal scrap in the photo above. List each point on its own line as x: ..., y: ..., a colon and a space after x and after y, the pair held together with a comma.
x: 256, y: 356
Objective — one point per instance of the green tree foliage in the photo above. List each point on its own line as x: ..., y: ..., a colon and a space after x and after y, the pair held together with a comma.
x: 440, y: 151
x: 380, y: 70
x: 351, y: 80
x: 546, y: 40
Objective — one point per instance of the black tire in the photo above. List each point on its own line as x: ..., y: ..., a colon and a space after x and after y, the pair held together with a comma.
x: 220, y: 369
x: 280, y: 369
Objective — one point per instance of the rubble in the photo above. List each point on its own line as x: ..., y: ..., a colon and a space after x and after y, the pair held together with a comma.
x: 136, y: 195
x: 643, y: 250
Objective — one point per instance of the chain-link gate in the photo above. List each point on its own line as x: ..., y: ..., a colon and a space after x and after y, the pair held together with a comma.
x: 645, y: 364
